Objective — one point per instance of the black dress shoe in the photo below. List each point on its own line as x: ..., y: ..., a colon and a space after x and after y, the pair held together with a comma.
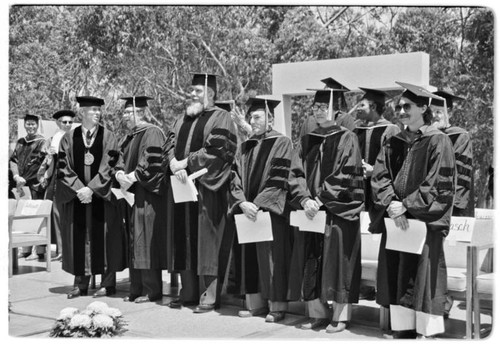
x: 178, y: 303
x: 105, y: 291
x: 201, y: 308
x: 130, y: 298
x: 77, y: 292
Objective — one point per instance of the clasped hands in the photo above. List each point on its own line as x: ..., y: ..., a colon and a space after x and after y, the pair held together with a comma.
x: 178, y: 168
x: 396, y: 211
x: 85, y: 195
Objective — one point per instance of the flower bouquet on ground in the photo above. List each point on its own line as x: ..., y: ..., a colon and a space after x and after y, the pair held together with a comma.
x: 97, y: 320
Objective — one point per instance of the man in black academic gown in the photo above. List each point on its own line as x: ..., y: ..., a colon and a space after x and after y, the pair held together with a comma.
x: 205, y: 137
x: 142, y: 175
x: 93, y: 235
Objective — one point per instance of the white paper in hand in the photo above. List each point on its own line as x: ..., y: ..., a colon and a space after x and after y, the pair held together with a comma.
x: 254, y: 231
x: 120, y: 193
x: 317, y: 224
x: 411, y: 240
x: 186, y: 192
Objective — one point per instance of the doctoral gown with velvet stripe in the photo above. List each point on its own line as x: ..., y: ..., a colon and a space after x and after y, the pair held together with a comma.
x: 464, y: 192
x: 106, y: 247
x: 142, y: 154
x: 371, y: 138
x: 196, y: 229
x: 25, y: 161
x: 328, y: 266
x: 418, y: 171
x: 260, y: 176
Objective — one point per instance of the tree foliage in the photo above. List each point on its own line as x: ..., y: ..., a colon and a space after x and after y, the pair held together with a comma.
x: 58, y: 52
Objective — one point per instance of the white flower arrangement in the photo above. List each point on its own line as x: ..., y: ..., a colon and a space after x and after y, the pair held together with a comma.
x: 97, y: 320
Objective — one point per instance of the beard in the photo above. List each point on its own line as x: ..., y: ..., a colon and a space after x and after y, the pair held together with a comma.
x: 194, y: 108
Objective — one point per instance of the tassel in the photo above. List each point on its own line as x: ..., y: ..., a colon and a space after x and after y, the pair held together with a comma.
x: 330, y: 106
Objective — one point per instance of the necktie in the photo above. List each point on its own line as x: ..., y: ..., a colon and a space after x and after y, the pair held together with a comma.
x: 89, y: 137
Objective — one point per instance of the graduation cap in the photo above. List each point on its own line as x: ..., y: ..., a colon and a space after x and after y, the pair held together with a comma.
x: 327, y: 96
x: 207, y: 80
x: 417, y: 94
x: 332, y: 83
x: 373, y: 94
x: 35, y: 118
x: 28, y: 117
x: 86, y: 101
x: 136, y: 101
x: 63, y: 113
x: 225, y: 105
x: 265, y: 104
x: 450, y: 97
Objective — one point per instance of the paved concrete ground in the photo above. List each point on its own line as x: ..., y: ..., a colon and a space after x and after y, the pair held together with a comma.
x: 36, y: 298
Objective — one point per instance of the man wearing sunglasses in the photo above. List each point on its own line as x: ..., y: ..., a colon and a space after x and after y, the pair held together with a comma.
x: 64, y: 120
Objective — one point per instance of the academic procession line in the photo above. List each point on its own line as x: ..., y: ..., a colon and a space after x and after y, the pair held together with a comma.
x: 410, y: 172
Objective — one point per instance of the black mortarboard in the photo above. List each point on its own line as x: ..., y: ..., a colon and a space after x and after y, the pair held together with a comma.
x: 89, y: 101
x: 450, y: 97
x: 225, y: 105
x: 372, y: 94
x: 417, y: 94
x: 266, y: 104
x: 28, y: 117
x: 323, y: 95
x: 205, y: 79
x: 261, y: 103
x: 140, y: 101
x: 328, y: 96
x: 332, y: 83
x: 63, y: 113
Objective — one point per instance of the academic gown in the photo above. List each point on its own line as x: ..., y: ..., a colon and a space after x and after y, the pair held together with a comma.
x: 142, y: 152
x: 104, y: 248
x: 195, y: 229
x: 260, y: 176
x: 420, y: 173
x: 464, y: 193
x: 371, y: 139
x: 328, y: 266
x: 25, y: 161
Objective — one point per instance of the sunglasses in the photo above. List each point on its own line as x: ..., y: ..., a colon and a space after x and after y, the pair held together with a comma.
x: 406, y: 107
x: 66, y: 122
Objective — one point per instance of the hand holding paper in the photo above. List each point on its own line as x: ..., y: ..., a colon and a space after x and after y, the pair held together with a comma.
x: 254, y: 231
x: 300, y: 219
x: 186, y: 192
x: 250, y: 210
x: 411, y: 240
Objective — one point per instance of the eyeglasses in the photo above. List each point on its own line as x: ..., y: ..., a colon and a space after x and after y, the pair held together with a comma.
x: 318, y: 107
x: 66, y: 122
x: 406, y: 107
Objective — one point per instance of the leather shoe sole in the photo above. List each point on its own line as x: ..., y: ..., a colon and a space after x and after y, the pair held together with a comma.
x: 204, y: 308
x: 76, y: 292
